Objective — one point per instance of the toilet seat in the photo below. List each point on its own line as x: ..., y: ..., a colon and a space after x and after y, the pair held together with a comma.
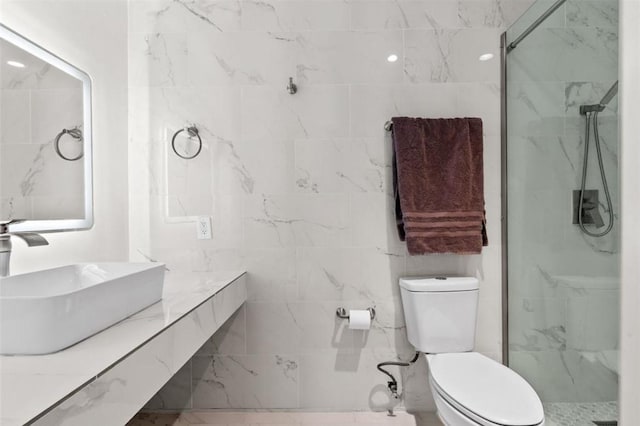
x: 483, y: 390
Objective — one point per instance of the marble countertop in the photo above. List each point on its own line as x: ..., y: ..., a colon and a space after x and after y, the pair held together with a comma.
x: 31, y: 385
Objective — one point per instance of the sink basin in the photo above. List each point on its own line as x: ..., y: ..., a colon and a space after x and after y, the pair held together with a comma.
x: 47, y: 311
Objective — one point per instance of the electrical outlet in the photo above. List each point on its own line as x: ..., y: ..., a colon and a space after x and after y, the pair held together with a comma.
x: 203, y: 227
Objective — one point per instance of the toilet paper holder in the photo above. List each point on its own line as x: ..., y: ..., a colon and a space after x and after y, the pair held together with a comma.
x: 342, y: 313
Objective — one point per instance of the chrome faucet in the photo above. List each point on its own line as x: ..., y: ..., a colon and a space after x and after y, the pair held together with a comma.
x: 31, y: 238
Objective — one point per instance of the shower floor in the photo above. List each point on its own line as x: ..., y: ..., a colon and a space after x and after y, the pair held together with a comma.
x: 579, y: 413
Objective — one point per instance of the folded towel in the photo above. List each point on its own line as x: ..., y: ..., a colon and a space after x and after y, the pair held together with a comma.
x: 438, y: 184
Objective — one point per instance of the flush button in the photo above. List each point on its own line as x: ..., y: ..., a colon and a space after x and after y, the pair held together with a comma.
x: 441, y: 278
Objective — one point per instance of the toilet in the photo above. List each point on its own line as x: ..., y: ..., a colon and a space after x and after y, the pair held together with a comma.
x: 469, y: 389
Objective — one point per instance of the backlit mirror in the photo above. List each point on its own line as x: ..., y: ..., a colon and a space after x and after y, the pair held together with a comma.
x: 45, y: 139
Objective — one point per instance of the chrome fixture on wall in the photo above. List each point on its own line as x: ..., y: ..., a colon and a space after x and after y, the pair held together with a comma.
x: 591, y: 112
x: 193, y: 133
x: 76, y: 134
x: 292, y: 88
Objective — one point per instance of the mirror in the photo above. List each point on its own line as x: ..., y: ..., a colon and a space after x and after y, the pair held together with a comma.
x: 45, y: 139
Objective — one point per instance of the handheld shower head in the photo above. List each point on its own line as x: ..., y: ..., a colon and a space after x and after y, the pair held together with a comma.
x: 610, y: 94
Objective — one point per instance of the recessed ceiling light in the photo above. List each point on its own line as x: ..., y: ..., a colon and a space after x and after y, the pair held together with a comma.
x: 16, y: 64
x: 392, y: 58
x: 486, y: 57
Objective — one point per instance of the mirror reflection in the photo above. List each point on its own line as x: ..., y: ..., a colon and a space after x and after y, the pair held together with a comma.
x: 44, y: 138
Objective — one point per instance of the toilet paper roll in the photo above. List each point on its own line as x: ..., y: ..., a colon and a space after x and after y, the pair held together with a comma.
x: 359, y: 320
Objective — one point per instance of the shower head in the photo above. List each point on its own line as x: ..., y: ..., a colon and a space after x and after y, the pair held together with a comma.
x: 610, y: 94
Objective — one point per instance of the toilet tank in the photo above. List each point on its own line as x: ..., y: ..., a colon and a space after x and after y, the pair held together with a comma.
x: 440, y: 313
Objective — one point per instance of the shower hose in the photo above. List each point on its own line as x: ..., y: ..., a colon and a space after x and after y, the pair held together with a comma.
x: 596, y: 137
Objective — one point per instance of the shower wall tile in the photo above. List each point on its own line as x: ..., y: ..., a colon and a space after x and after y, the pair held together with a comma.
x: 569, y: 376
x: 590, y: 13
x: 299, y: 187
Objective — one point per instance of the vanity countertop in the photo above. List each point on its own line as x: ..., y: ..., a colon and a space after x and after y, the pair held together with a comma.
x: 30, y: 386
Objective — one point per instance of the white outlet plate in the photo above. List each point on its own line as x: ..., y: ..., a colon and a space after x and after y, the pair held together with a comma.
x: 203, y: 227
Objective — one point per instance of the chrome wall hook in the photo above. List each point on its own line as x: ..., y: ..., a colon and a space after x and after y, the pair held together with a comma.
x: 292, y: 88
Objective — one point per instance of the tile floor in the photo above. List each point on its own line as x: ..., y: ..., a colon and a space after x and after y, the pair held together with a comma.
x: 227, y: 418
x: 579, y: 413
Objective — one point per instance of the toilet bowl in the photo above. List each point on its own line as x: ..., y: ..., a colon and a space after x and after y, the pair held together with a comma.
x: 469, y: 389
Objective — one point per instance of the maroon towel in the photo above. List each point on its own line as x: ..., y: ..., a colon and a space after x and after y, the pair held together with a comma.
x: 438, y: 183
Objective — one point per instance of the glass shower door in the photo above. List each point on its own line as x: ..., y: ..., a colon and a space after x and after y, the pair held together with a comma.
x: 563, y: 285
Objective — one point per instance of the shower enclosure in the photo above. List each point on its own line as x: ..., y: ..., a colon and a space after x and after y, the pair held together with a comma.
x: 561, y: 206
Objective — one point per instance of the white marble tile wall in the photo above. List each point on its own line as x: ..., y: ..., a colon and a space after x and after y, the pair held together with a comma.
x: 299, y: 187
x: 564, y: 286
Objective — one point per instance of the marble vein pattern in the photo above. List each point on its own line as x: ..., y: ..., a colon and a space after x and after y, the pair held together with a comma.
x: 100, y: 379
x: 299, y: 186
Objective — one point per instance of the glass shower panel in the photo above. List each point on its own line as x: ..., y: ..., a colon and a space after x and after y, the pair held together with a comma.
x: 563, y: 285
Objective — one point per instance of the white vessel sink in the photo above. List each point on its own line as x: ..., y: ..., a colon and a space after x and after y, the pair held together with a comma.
x: 46, y: 311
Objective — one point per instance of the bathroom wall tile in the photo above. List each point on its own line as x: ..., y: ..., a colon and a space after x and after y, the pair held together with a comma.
x: 230, y: 339
x: 175, y: 394
x: 245, y: 381
x: 330, y: 333
x: 368, y: 115
x: 252, y: 58
x: 341, y: 165
x: 272, y: 327
x: 374, y: 222
x: 388, y: 329
x: 267, y: 165
x: 303, y: 220
x: 349, y: 57
x: 282, y: 15
x: 417, y: 396
x: 370, y: 15
x: 438, y: 55
x: 271, y: 274
x: 157, y: 60
x: 189, y: 190
x: 491, y: 14
x: 321, y: 376
x: 488, y: 324
x: 329, y: 274
x: 315, y: 112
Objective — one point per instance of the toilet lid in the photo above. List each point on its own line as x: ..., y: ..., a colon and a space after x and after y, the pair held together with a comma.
x: 486, y: 388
